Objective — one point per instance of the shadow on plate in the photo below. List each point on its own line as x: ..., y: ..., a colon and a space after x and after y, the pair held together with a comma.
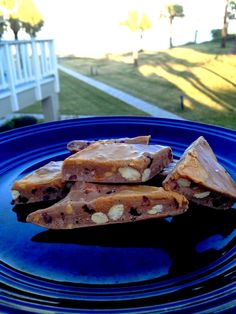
x: 193, y: 239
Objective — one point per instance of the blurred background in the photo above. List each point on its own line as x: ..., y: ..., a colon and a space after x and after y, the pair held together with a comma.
x: 153, y: 57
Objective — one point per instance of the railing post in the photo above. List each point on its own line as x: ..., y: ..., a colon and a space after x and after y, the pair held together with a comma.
x: 23, y: 59
x: 11, y: 78
x: 54, y: 66
x: 3, y: 83
x: 29, y: 73
x: 36, y: 67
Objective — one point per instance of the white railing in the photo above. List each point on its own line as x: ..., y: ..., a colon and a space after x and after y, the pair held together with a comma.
x: 24, y: 64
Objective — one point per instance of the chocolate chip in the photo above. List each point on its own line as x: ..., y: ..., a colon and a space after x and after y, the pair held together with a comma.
x: 146, y: 201
x: 47, y: 218
x: 34, y: 191
x: 86, y: 171
x: 73, y: 177
x: 51, y: 190
x: 133, y: 211
x: 111, y: 191
x: 88, y: 210
x: 62, y: 216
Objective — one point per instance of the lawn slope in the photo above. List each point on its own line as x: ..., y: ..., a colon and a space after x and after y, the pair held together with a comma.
x: 80, y: 99
x: 203, y: 74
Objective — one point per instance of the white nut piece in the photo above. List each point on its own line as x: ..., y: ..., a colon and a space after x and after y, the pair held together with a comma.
x: 99, y: 218
x: 183, y: 182
x: 146, y: 174
x: 116, y: 211
x: 129, y: 173
x: 202, y: 194
x: 155, y: 209
x: 15, y: 194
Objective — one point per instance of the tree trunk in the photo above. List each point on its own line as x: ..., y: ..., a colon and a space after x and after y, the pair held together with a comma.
x: 135, y: 58
x: 136, y: 45
x: 171, y: 31
x: 141, y: 41
x: 225, y: 26
x: 15, y: 27
x: 15, y: 35
x: 195, y: 36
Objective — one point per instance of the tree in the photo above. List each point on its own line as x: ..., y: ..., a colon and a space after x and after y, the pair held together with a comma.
x: 171, y: 11
x: 229, y: 14
x: 15, y: 25
x: 22, y: 14
x: 137, y: 23
x: 2, y: 26
x: 31, y: 19
x: 32, y: 30
x: 6, y: 6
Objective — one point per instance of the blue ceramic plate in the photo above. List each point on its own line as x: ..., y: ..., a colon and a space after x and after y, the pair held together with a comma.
x: 176, y: 265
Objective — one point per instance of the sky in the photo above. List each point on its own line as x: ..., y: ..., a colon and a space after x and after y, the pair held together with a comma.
x: 92, y: 27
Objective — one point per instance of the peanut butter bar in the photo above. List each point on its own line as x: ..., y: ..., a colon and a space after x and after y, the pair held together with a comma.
x: 77, y: 145
x: 201, y: 179
x: 89, y: 204
x: 116, y: 163
x: 44, y: 184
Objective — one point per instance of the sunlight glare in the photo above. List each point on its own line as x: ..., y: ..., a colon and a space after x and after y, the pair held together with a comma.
x: 190, y: 86
x: 92, y: 28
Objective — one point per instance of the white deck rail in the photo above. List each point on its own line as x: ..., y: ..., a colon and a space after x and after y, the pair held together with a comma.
x: 27, y: 65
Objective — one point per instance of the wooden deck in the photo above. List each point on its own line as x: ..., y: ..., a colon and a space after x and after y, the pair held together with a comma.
x: 28, y: 73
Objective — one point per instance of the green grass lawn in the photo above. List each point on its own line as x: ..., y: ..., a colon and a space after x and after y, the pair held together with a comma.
x: 78, y: 98
x: 204, y: 74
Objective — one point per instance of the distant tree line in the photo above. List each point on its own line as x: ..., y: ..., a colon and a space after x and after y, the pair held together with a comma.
x: 20, y: 15
x: 139, y: 23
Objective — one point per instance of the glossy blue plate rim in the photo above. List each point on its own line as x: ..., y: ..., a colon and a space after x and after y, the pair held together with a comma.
x: 206, y: 290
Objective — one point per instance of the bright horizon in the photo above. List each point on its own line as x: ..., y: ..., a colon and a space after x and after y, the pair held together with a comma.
x: 91, y: 27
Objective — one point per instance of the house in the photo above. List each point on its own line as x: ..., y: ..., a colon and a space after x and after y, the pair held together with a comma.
x: 28, y: 73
